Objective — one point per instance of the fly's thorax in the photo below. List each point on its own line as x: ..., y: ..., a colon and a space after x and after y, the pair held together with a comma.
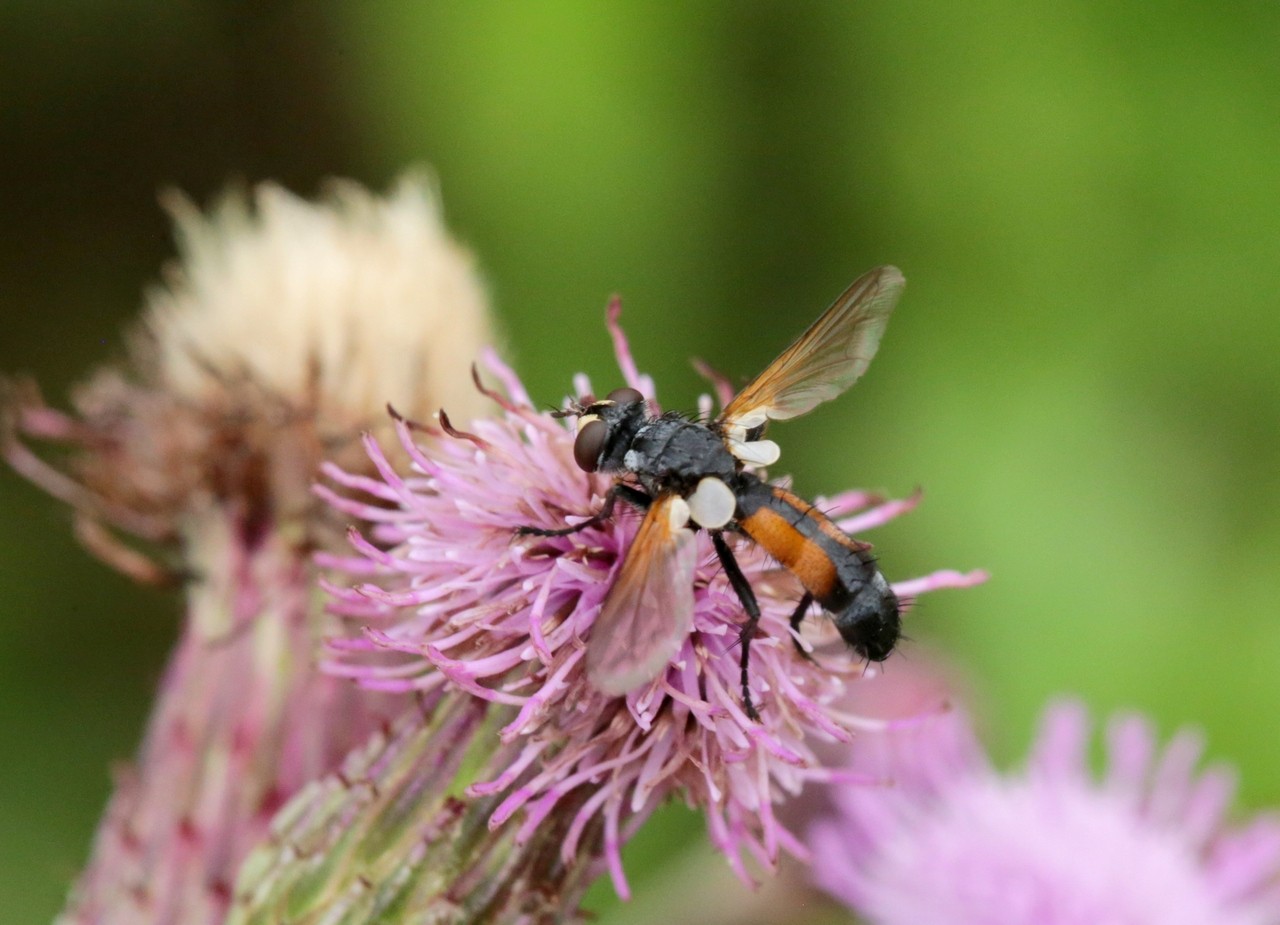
x: 675, y: 453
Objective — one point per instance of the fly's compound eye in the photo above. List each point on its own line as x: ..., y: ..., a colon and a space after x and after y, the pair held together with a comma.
x: 589, y: 442
x: 625, y: 396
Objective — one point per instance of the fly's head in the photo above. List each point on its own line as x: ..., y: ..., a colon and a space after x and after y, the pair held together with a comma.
x: 606, y: 428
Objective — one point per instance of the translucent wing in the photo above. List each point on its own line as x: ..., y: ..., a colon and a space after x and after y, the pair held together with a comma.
x: 824, y: 360
x: 649, y: 611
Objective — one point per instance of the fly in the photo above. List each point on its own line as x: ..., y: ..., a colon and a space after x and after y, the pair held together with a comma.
x: 686, y: 475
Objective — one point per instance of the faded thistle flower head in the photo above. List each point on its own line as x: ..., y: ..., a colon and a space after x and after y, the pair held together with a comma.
x: 953, y: 841
x: 453, y: 600
x: 284, y: 331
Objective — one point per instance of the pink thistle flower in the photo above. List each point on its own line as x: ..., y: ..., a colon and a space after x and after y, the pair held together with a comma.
x: 956, y: 842
x: 461, y: 604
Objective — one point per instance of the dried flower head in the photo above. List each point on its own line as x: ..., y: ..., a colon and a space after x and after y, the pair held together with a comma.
x: 955, y: 842
x: 353, y: 303
x: 284, y: 331
x: 460, y: 603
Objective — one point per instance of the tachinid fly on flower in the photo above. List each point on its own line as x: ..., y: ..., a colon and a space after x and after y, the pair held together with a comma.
x: 687, y: 475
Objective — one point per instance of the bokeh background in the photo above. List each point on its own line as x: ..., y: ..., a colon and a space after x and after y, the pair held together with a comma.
x: 1083, y: 375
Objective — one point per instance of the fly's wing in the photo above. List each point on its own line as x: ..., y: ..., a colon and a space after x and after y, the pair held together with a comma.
x: 649, y: 611
x: 823, y: 362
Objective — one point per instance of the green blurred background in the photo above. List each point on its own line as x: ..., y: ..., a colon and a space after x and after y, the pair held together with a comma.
x: 1083, y: 375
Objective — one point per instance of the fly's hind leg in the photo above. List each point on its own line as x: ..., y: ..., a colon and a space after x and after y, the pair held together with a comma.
x: 796, y: 618
x: 632, y: 496
x: 748, y: 598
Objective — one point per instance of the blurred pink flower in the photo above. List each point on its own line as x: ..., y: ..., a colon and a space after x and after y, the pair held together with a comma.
x: 953, y: 841
x: 461, y: 603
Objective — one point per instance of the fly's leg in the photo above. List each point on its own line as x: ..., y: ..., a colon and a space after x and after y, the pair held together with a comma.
x: 805, y: 603
x: 632, y: 496
x: 748, y: 598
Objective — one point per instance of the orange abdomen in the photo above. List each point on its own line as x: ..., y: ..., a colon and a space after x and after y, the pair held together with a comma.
x: 801, y: 555
x: 800, y: 537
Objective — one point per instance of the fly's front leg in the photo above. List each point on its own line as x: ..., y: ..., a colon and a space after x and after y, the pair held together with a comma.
x: 632, y: 496
x: 742, y: 588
